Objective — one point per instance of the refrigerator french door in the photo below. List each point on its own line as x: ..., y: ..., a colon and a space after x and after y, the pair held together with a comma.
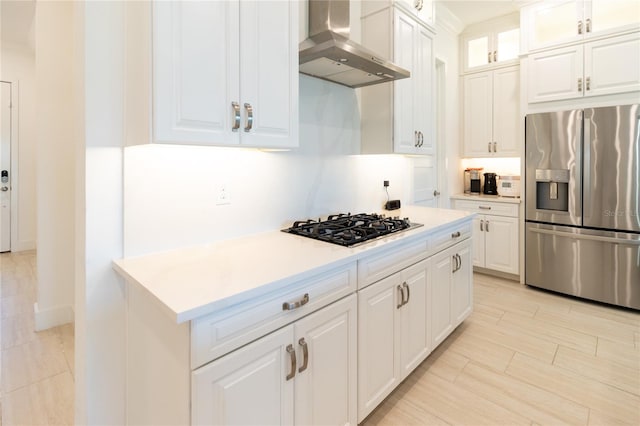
x: 582, y: 203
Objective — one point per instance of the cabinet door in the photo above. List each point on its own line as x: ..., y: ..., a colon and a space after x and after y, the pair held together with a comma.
x: 506, y: 111
x: 476, y: 50
x: 478, y: 241
x: 553, y: 22
x: 608, y: 16
x: 378, y: 350
x: 325, y: 391
x: 405, y: 48
x: 193, y: 89
x: 442, y: 264
x: 415, y: 336
x: 461, y: 284
x: 612, y: 65
x: 248, y: 386
x: 478, y: 113
x: 268, y: 73
x: 501, y: 242
x: 423, y: 94
x: 555, y: 75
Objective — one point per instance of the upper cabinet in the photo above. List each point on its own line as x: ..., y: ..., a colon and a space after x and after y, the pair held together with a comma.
x: 397, y: 117
x: 220, y: 78
x: 424, y: 10
x: 491, y: 44
x: 552, y: 23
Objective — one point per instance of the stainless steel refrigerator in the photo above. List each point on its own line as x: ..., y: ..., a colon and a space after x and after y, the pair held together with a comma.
x: 582, y: 203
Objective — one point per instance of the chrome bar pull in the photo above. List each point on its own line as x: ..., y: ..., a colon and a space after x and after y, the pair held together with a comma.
x: 489, y: 57
x: 399, y: 305
x: 588, y: 25
x: 415, y: 136
x: 289, y: 306
x: 481, y: 225
x: 455, y: 263
x: 495, y: 147
x: 495, y: 56
x: 236, y: 116
x: 459, y: 261
x: 489, y: 147
x: 579, y: 27
x: 588, y: 83
x: 292, y: 354
x: 484, y: 207
x: 486, y: 225
x: 405, y: 285
x: 420, y: 139
x: 580, y: 84
x: 249, y: 124
x: 305, y: 355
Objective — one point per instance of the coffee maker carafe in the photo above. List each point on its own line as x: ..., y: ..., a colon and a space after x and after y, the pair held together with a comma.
x: 490, y: 184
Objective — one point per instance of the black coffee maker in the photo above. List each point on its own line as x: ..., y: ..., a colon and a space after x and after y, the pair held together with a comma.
x: 490, y: 184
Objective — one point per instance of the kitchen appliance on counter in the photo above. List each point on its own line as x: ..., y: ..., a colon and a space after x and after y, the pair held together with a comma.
x: 475, y: 176
x: 582, y: 203
x: 509, y: 186
x: 466, y: 178
x: 349, y: 230
x: 490, y: 184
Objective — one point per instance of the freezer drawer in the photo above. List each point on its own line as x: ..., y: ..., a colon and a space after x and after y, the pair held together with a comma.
x: 596, y: 265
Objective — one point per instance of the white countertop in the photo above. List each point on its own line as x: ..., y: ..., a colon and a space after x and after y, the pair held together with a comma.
x: 482, y: 197
x: 196, y: 281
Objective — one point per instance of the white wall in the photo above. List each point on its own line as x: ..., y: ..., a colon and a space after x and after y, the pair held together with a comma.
x: 55, y: 164
x: 18, y: 67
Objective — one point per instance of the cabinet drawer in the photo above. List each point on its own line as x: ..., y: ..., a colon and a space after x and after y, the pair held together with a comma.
x: 487, y: 207
x: 449, y: 236
x: 374, y: 268
x: 219, y: 333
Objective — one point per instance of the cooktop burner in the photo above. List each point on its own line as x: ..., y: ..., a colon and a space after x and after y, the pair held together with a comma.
x: 349, y: 230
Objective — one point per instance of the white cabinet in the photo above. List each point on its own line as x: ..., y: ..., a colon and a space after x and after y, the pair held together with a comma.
x: 451, y: 290
x: 491, y: 113
x: 398, y: 117
x: 606, y: 66
x: 220, y: 79
x: 552, y: 23
x: 495, y: 234
x: 490, y: 48
x: 304, y: 373
x: 393, y: 333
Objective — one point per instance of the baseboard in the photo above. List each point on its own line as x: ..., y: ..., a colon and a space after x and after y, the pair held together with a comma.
x: 23, y: 246
x: 52, y: 317
x: 498, y: 274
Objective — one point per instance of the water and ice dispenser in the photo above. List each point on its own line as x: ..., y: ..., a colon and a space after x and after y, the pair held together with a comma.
x: 552, y: 189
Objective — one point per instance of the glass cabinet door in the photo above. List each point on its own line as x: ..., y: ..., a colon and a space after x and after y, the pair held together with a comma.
x: 557, y: 22
x: 478, y: 51
x: 507, y: 45
x: 607, y: 15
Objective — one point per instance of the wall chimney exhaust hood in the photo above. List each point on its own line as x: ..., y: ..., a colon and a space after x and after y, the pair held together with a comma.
x: 330, y: 55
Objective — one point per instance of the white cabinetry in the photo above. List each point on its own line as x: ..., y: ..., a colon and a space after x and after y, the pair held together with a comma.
x: 495, y: 235
x: 393, y: 333
x: 220, y: 79
x: 551, y: 23
x: 304, y: 373
x: 491, y: 44
x: 606, y: 66
x: 491, y: 113
x: 398, y: 117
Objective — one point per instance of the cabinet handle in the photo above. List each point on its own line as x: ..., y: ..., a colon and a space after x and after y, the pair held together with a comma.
x: 489, y: 147
x: 420, y: 139
x: 486, y: 226
x: 399, y: 305
x: 481, y: 225
x: 415, y: 136
x: 495, y: 56
x: 579, y: 27
x: 305, y: 355
x: 484, y: 207
x: 249, y: 125
x: 236, y: 116
x: 588, y: 83
x: 455, y: 234
x: 455, y: 263
x: 292, y: 355
x: 489, y: 57
x: 580, y: 84
x: 418, y: 4
x: 588, y: 25
x: 405, y: 285
x: 289, y: 306
x: 495, y: 147
x: 459, y: 262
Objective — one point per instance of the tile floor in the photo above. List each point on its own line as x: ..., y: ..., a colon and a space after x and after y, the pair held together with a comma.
x: 523, y: 357
x: 36, y: 380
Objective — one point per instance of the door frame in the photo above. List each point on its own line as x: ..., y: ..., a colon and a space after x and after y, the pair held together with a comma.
x: 15, y: 107
x: 440, y: 86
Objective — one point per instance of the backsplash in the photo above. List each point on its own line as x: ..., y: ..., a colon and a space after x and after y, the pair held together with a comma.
x: 170, y: 191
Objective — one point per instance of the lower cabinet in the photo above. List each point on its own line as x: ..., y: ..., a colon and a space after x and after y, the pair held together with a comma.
x: 451, y: 298
x: 304, y: 373
x: 393, y: 333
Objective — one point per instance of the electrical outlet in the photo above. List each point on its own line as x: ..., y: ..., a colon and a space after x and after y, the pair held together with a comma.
x: 385, y: 183
x: 223, y: 195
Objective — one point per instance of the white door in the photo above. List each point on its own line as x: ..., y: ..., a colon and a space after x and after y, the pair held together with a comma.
x: 478, y: 113
x: 5, y: 168
x: 405, y: 48
x: 423, y: 91
x: 425, y: 175
x: 325, y: 384
x: 612, y: 65
x: 248, y: 386
x: 556, y: 74
x: 414, y: 321
x: 501, y: 239
x: 506, y: 110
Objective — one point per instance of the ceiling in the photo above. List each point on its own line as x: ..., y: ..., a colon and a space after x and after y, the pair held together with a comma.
x: 472, y: 11
x: 17, y: 21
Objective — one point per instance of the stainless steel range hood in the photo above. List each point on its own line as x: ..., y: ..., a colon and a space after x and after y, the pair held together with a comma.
x: 330, y: 55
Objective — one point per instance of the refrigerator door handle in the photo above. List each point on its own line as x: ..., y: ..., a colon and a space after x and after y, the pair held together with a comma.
x: 586, y: 168
x: 586, y: 237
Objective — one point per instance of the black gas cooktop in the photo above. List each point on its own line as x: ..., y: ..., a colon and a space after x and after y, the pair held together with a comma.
x: 349, y: 230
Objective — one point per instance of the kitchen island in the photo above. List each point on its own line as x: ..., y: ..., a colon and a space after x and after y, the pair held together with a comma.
x: 325, y: 331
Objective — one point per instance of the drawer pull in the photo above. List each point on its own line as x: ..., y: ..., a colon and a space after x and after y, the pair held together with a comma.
x: 484, y: 207
x: 305, y: 355
x: 292, y: 354
x: 481, y: 225
x: 456, y: 234
x: 289, y: 306
x: 405, y: 285
x: 401, y: 302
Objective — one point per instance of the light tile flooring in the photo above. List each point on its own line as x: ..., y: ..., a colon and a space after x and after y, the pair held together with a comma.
x: 37, y: 368
x: 523, y: 357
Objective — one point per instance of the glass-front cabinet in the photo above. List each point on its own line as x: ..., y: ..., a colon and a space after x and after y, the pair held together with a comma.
x: 485, y: 45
